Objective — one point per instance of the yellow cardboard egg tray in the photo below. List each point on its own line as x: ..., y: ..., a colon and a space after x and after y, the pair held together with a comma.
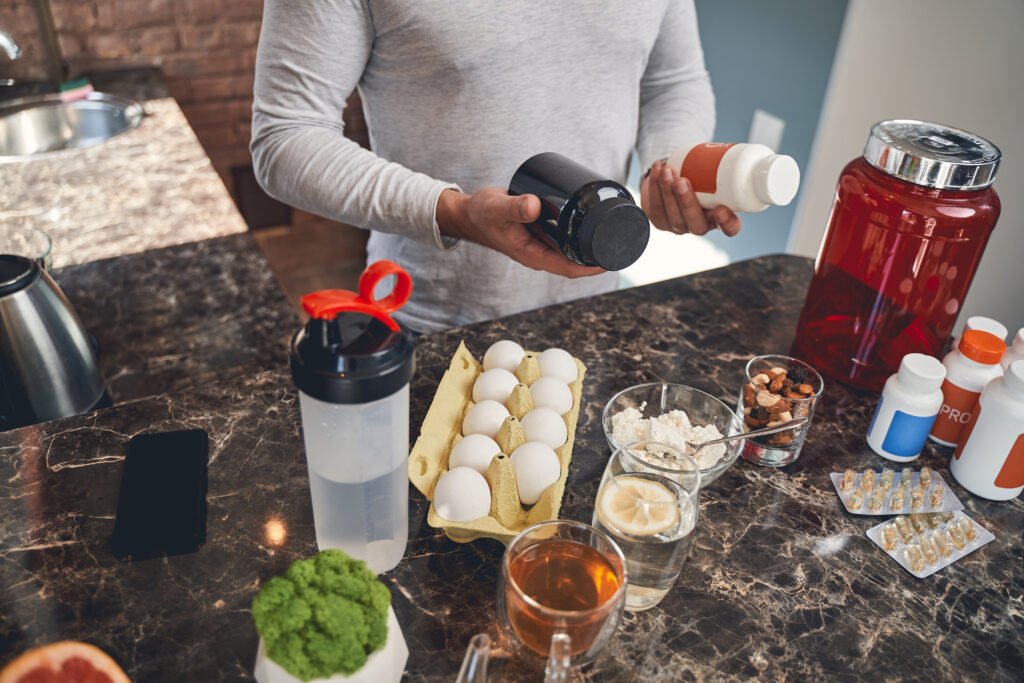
x: 442, y: 428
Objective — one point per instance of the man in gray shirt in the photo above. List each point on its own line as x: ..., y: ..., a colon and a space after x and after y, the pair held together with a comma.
x: 456, y: 96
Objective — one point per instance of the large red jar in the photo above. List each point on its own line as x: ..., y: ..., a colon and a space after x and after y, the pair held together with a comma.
x: 909, y: 224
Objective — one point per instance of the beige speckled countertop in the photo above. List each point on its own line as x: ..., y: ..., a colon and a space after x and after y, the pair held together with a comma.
x: 148, y: 188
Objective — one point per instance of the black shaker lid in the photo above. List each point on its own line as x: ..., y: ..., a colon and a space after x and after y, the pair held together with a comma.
x: 16, y: 273
x: 614, y: 233
x: 351, y: 350
x: 353, y: 358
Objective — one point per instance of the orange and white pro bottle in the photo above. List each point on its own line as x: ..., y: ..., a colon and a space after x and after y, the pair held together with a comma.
x: 969, y: 367
x: 742, y: 176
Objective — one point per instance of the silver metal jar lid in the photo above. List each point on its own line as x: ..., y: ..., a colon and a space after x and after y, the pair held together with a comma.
x: 932, y: 155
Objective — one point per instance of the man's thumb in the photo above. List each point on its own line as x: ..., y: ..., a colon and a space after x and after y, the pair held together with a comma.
x: 525, y: 209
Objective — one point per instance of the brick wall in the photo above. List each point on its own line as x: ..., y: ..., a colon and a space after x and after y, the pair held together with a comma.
x: 206, y: 50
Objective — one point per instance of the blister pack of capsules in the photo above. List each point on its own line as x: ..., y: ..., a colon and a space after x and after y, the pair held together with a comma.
x: 894, y: 493
x: 925, y: 543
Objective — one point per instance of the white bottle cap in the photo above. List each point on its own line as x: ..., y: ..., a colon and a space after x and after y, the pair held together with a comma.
x: 990, y: 325
x: 1018, y: 341
x: 1014, y: 377
x: 919, y: 372
x: 776, y: 179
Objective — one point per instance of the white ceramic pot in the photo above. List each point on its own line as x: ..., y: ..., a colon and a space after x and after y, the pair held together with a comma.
x: 383, y: 666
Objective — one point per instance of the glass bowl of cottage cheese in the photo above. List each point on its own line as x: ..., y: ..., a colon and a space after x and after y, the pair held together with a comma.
x: 679, y: 416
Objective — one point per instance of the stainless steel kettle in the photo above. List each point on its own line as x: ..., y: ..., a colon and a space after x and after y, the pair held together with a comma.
x: 48, y: 367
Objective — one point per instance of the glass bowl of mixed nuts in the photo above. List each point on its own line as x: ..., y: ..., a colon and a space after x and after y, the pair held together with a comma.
x: 777, y: 389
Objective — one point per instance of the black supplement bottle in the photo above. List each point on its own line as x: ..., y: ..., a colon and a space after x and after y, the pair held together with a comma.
x: 592, y: 219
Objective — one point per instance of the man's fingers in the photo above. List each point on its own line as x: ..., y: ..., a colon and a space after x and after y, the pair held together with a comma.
x: 727, y: 220
x: 539, y: 256
x: 693, y: 213
x: 666, y: 184
x: 652, y: 204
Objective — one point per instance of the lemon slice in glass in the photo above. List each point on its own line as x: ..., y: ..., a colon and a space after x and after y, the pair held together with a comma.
x: 637, y: 506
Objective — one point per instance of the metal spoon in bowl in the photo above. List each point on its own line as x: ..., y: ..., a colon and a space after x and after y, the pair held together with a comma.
x: 796, y: 422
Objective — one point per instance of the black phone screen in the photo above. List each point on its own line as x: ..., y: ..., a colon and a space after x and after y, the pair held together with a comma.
x: 162, y: 505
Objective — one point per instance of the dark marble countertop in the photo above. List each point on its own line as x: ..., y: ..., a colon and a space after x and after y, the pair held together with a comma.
x: 147, y: 188
x: 781, y: 582
x: 172, y: 318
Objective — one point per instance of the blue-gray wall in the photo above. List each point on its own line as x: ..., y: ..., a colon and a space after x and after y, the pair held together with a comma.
x: 774, y: 56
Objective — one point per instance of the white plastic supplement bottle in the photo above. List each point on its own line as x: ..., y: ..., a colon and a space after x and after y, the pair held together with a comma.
x: 742, y: 176
x: 990, y: 459
x: 1016, y: 350
x: 972, y: 365
x: 985, y: 324
x: 908, y: 407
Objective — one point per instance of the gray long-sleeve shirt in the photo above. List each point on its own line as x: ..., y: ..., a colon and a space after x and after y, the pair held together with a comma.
x: 459, y: 94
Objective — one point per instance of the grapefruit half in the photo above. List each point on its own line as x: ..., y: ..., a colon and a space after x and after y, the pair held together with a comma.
x: 68, y: 661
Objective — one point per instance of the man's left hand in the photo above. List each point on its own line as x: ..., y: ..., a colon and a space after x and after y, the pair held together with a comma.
x: 671, y: 204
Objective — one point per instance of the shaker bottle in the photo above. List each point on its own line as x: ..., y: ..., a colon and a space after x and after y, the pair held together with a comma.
x: 352, y: 364
x: 909, y: 224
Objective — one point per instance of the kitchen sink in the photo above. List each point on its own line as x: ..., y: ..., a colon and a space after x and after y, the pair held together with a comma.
x: 31, y: 127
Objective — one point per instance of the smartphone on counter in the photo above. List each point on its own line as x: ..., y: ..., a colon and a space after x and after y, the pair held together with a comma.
x: 161, y: 508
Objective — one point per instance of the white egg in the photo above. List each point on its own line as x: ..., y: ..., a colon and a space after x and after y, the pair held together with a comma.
x: 494, y: 385
x: 505, y: 354
x: 558, y: 363
x: 551, y: 392
x: 546, y: 426
x: 475, y: 450
x: 484, y: 418
x: 462, y: 495
x: 535, y: 467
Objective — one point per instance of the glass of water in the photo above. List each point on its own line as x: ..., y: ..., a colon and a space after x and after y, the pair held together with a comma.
x: 648, y: 503
x: 22, y: 240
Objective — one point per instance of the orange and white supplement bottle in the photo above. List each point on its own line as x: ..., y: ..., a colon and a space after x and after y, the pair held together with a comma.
x: 969, y: 367
x: 742, y: 176
x: 990, y: 459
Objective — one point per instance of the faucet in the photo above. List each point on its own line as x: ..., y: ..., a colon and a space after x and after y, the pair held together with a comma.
x: 13, y: 50
x: 9, y: 46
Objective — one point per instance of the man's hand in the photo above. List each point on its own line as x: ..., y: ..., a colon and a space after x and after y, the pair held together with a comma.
x: 495, y: 219
x: 671, y: 204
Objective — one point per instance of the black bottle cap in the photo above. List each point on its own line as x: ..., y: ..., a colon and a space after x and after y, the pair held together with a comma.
x: 614, y: 233
x: 353, y: 358
x: 16, y: 273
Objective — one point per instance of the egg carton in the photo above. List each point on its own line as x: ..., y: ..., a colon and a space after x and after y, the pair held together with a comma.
x: 442, y: 429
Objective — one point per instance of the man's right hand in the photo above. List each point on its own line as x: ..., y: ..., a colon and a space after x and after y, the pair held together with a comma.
x: 495, y: 219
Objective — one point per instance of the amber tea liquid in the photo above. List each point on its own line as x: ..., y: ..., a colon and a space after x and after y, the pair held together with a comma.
x: 562, y: 575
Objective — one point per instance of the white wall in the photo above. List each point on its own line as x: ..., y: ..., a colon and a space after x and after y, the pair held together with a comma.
x: 950, y: 61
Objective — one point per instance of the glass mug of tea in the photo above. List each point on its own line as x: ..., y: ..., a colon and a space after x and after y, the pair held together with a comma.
x: 561, y: 591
